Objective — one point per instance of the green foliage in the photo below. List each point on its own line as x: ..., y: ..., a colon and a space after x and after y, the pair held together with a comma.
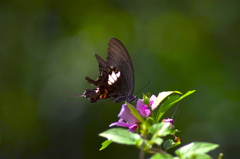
x: 105, y: 144
x: 163, y: 156
x: 157, y: 140
x: 121, y: 136
x: 169, y: 102
x: 195, y: 149
x: 161, y: 96
x: 160, y: 129
x: 150, y: 134
x: 146, y: 99
x: 168, y: 144
x: 47, y: 50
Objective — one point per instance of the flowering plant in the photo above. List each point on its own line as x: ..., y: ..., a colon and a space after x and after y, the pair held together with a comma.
x: 146, y: 129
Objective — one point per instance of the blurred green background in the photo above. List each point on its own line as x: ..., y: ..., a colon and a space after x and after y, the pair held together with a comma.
x: 47, y: 50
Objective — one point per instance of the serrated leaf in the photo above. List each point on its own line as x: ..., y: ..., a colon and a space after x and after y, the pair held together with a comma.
x: 163, y: 156
x: 169, y: 102
x: 160, y: 129
x: 121, y: 136
x: 195, y: 148
x: 105, y: 144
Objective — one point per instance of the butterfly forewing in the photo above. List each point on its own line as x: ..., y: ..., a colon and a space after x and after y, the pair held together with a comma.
x: 118, y: 57
x: 116, y: 75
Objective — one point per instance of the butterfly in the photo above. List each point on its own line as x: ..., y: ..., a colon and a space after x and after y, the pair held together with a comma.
x: 116, y: 76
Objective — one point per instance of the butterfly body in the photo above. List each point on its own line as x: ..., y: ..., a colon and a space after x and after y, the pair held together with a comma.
x: 116, y: 76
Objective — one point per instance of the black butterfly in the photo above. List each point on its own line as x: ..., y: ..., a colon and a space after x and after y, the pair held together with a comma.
x: 116, y: 76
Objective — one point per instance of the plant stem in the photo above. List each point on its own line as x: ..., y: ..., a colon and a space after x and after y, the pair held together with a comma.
x: 141, y: 154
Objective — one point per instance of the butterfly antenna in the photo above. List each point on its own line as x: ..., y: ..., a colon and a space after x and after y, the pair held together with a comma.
x: 143, y: 87
x: 78, y: 95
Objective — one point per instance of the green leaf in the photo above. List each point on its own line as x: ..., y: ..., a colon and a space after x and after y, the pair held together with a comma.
x: 134, y: 112
x: 146, y: 99
x: 168, y: 144
x: 220, y: 156
x: 163, y: 156
x: 201, y: 156
x: 139, y: 142
x: 169, y: 102
x: 187, y: 94
x: 174, y: 131
x: 157, y: 141
x: 121, y: 136
x: 161, y: 96
x: 160, y: 129
x: 150, y: 120
x: 198, y: 156
x: 105, y: 144
x: 195, y: 149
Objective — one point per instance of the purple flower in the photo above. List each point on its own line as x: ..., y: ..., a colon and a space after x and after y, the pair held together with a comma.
x: 130, y: 121
x: 152, y: 101
x: 168, y: 120
x: 126, y: 119
x: 143, y: 110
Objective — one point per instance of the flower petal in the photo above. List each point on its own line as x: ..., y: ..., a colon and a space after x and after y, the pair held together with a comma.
x: 126, y: 115
x: 152, y: 101
x: 123, y: 124
x: 133, y: 128
x: 168, y: 120
x: 140, y: 107
x: 143, y: 110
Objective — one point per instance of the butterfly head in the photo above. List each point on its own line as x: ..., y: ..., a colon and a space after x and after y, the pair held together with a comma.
x: 131, y: 99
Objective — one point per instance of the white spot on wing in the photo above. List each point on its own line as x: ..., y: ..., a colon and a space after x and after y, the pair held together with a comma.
x: 114, y: 76
x: 118, y: 74
x: 110, y: 79
x: 97, y: 90
x: 109, y: 83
